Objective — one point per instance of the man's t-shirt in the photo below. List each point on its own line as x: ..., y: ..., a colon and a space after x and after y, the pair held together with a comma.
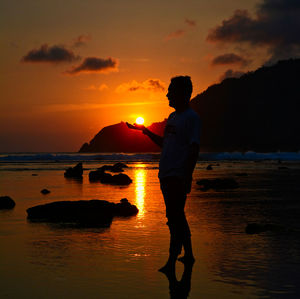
x: 182, y: 130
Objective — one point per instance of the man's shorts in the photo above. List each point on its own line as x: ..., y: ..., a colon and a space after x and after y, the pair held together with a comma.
x: 174, y: 193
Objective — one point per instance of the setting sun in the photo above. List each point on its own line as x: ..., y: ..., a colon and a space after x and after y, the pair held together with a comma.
x: 139, y: 121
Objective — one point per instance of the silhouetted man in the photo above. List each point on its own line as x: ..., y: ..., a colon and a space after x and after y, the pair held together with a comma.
x: 180, y: 148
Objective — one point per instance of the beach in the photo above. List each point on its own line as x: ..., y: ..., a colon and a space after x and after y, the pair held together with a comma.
x: 42, y: 260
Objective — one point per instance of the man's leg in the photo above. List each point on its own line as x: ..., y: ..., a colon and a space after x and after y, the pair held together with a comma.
x: 175, y: 205
x: 175, y: 197
x: 188, y: 257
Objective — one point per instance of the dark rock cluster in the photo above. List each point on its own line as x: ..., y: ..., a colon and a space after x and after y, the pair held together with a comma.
x: 74, y: 172
x: 91, y: 213
x: 118, y: 167
x: 106, y: 178
x: 6, y: 202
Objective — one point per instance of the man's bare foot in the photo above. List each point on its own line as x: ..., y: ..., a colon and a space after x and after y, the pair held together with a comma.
x: 187, y: 260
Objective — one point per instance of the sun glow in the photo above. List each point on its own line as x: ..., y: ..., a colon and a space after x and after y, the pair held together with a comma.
x: 139, y: 121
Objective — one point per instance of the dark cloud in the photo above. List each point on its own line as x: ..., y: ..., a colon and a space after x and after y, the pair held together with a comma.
x: 46, y: 54
x: 190, y: 23
x: 156, y: 84
x: 231, y: 74
x: 95, y: 65
x: 229, y: 58
x: 275, y: 25
x: 81, y: 40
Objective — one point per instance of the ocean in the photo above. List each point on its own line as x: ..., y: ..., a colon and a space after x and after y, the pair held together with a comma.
x: 42, y: 260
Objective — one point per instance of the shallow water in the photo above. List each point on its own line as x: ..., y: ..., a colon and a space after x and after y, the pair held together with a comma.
x: 52, y: 261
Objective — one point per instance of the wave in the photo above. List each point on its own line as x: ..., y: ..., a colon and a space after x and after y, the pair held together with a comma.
x: 250, y: 156
x: 148, y: 157
x: 69, y: 157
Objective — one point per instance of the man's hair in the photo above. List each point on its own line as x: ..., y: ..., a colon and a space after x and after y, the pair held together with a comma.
x: 184, y: 86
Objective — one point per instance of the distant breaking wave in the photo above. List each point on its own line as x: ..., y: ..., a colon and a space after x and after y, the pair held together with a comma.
x: 63, y: 157
x: 149, y: 157
x: 250, y: 156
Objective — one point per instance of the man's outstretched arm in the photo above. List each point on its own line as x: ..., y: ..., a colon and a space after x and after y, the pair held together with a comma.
x: 154, y: 137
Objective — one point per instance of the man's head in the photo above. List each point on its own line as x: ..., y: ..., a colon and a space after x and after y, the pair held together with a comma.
x: 180, y: 91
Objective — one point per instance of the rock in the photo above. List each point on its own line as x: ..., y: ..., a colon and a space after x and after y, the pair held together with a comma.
x: 209, y: 167
x: 6, y: 202
x: 256, y: 228
x: 91, y: 213
x: 107, y: 178
x: 125, y: 209
x: 96, y: 175
x: 74, y: 172
x: 121, y: 179
x: 118, y: 167
x: 217, y: 184
x: 120, y: 164
x: 45, y: 191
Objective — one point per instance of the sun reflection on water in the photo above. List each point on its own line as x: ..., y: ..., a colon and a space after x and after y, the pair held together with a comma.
x: 140, y: 183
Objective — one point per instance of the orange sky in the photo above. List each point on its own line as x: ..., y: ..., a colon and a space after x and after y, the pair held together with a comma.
x: 137, y: 45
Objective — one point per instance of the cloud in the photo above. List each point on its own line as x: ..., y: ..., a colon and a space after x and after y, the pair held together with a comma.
x: 229, y: 58
x: 190, y: 23
x: 181, y: 32
x: 275, y: 25
x: 231, y: 74
x: 81, y: 40
x: 95, y: 65
x: 154, y: 85
x: 101, y: 87
x: 50, y: 54
x: 176, y: 34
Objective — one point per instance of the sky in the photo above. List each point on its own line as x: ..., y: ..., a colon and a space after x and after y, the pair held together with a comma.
x: 69, y: 68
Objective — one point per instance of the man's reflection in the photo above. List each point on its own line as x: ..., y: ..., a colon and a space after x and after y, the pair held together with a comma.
x: 180, y: 289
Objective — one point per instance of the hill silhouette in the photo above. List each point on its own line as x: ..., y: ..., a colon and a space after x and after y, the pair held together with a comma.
x: 258, y: 111
x: 119, y: 138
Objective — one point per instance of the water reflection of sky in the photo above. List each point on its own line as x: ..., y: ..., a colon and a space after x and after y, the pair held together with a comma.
x: 122, y: 261
x: 140, y: 190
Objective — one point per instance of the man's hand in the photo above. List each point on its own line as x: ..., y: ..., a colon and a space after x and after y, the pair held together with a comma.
x: 155, y: 138
x: 135, y: 126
